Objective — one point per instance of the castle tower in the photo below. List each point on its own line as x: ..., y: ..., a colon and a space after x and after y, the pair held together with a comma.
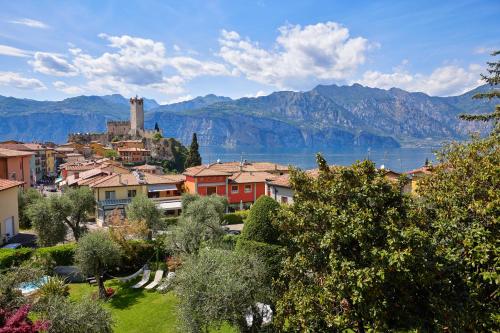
x: 136, y: 116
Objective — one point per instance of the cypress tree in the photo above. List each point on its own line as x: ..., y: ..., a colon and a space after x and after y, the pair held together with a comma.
x: 493, y: 79
x: 193, y: 157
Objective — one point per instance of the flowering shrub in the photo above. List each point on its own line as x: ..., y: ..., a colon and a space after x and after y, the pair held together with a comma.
x: 110, y: 292
x: 18, y: 321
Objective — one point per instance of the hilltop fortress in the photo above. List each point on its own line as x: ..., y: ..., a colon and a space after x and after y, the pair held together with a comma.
x: 132, y: 129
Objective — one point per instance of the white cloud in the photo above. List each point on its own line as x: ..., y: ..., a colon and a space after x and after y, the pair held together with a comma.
x: 300, y: 57
x: 52, y: 64
x: 18, y: 81
x: 176, y: 48
x: 13, y: 51
x: 70, y: 90
x: 30, y: 23
x: 443, y: 81
x: 189, y: 67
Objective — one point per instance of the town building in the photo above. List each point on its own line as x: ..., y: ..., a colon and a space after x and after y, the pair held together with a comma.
x: 15, y: 165
x: 127, y: 144
x: 114, y: 192
x: 38, y: 164
x: 51, y: 162
x: 9, y: 214
x: 147, y: 168
x: 74, y: 157
x: 280, y: 189
x: 415, y: 177
x: 134, y: 155
x: 240, y: 182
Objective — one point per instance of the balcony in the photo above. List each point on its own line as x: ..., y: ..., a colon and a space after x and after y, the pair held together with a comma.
x: 113, y: 202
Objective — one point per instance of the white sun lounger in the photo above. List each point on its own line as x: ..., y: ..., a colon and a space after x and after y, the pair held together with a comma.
x: 145, y: 279
x: 166, y: 282
x: 157, y: 279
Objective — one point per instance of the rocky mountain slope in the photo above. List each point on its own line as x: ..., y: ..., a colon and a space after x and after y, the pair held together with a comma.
x: 325, y: 116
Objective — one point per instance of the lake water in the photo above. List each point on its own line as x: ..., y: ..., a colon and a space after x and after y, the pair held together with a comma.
x: 397, y: 159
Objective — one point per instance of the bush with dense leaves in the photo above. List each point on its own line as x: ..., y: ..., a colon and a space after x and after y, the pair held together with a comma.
x: 258, y: 226
x: 232, y: 218
x: 62, y: 255
x: 12, y: 257
x: 269, y: 253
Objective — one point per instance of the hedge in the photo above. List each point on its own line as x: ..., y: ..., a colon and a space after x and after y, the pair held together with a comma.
x: 232, y: 218
x: 11, y: 257
x: 242, y: 213
x: 259, y: 225
x: 62, y: 255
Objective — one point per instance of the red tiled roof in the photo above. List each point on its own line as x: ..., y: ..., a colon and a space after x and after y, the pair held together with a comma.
x: 251, y: 177
x: 283, y: 181
x: 131, y: 179
x: 6, y: 184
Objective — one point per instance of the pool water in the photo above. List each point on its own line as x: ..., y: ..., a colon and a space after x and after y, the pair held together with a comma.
x: 29, y: 287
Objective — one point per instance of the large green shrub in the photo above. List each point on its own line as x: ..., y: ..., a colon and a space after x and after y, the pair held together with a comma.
x: 14, y: 257
x: 62, y: 255
x: 271, y: 254
x: 136, y: 254
x: 258, y: 226
x: 243, y: 214
x: 232, y: 218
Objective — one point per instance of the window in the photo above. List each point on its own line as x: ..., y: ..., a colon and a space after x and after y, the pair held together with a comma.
x: 132, y: 193
x: 234, y: 188
x: 284, y: 200
x: 110, y: 195
x: 211, y: 190
x: 248, y: 188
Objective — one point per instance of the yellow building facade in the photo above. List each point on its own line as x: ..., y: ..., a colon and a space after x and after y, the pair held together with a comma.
x: 9, y: 214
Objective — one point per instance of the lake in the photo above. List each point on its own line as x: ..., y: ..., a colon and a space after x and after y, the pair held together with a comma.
x: 397, y: 159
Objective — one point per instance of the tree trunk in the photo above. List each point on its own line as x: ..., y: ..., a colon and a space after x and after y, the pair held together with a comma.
x: 100, y: 284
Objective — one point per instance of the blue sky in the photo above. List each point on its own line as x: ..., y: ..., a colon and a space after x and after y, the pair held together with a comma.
x: 175, y: 50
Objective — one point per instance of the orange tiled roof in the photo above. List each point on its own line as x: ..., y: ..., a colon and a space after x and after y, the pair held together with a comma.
x: 22, y: 146
x: 228, y: 168
x: 423, y: 170
x: 132, y: 149
x: 131, y: 179
x: 6, y: 184
x: 283, y: 181
x: 13, y: 153
x: 251, y: 177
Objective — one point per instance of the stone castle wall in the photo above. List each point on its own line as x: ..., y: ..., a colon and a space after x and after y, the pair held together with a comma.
x: 118, y: 128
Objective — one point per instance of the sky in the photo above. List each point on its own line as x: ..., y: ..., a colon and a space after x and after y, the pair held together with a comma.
x: 176, y: 50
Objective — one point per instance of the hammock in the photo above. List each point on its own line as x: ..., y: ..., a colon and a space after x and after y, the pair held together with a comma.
x: 130, y: 277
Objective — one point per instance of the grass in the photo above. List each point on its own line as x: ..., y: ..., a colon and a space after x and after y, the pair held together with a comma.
x: 138, y: 310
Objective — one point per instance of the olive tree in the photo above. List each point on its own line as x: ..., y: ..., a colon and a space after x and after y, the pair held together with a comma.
x: 220, y: 286
x: 142, y: 209
x: 95, y: 253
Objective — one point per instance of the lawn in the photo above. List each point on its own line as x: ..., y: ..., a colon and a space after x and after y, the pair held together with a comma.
x: 137, y: 310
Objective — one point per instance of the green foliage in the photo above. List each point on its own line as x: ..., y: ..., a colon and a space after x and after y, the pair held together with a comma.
x: 53, y: 287
x: 144, y: 209
x: 62, y: 255
x: 168, y: 222
x: 26, y: 198
x: 14, y: 257
x: 243, y: 214
x: 461, y: 200
x: 229, y: 242
x: 179, y: 153
x: 232, y: 218
x: 200, y: 223
x: 110, y: 153
x: 270, y: 254
x: 157, y: 137
x: 193, y: 157
x: 49, y: 228
x: 10, y: 296
x: 51, y: 215
x: 229, y: 283
x: 85, y: 316
x: 493, y: 79
x: 136, y: 254
x: 95, y: 254
x: 259, y: 226
x: 355, y: 257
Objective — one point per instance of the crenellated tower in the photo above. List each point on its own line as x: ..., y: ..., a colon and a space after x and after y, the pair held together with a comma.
x: 136, y: 116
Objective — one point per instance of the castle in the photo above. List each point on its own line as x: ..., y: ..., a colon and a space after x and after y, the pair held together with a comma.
x: 120, y: 129
x: 134, y: 127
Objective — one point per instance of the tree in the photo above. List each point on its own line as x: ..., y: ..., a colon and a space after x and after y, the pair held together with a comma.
x: 354, y: 256
x: 50, y: 229
x: 200, y: 223
x: 95, y: 253
x: 493, y: 79
x: 157, y: 128
x: 110, y: 153
x: 220, y: 286
x: 144, y: 209
x: 157, y: 137
x: 26, y: 198
x: 193, y: 157
x: 462, y: 199
x: 259, y: 226
x: 83, y: 316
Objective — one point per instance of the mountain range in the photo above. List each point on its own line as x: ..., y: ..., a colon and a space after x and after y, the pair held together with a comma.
x: 326, y: 116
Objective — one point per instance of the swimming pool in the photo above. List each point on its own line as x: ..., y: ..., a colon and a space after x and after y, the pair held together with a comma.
x: 29, y: 287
